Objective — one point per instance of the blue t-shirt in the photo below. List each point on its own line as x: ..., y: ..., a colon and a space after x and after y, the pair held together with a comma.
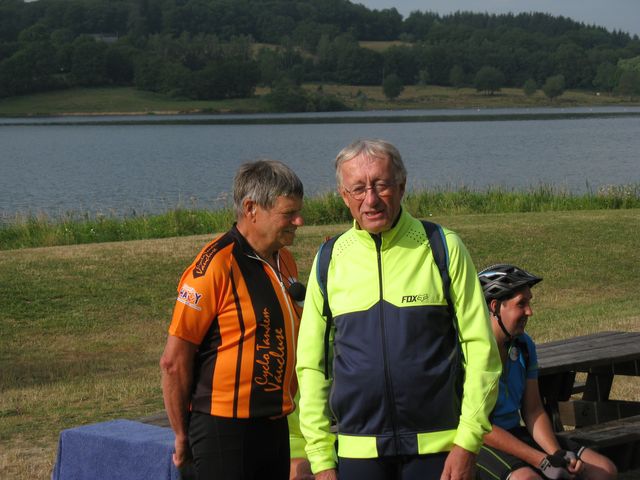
x: 506, y: 413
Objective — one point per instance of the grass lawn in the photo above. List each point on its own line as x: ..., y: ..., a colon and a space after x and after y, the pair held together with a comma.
x: 116, y: 100
x: 435, y: 97
x: 82, y: 327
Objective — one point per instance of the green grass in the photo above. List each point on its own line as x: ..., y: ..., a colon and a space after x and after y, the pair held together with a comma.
x: 436, y: 97
x: 42, y: 231
x: 82, y: 327
x: 127, y: 100
x: 116, y: 100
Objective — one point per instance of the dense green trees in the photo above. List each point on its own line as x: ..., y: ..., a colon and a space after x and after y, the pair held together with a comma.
x: 554, y: 86
x: 629, y: 83
x: 199, y: 67
x: 88, y: 62
x: 489, y: 80
x: 225, y: 48
x: 286, y: 96
x: 392, y: 86
x: 456, y: 76
x: 605, y: 78
x: 30, y: 69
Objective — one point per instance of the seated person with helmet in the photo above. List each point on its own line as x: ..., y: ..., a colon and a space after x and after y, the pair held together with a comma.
x: 532, y: 451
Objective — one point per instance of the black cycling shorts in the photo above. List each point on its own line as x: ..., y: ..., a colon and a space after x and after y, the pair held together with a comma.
x: 494, y: 464
x: 239, y: 449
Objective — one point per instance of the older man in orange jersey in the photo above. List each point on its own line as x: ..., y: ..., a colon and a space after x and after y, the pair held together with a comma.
x: 228, y: 375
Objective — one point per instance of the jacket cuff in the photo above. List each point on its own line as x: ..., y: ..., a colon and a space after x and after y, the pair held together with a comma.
x: 322, y: 459
x: 469, y: 437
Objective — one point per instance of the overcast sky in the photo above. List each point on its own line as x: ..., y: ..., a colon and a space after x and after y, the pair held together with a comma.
x: 612, y: 14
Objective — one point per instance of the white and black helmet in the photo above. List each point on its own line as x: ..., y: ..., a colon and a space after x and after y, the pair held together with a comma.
x: 503, y: 280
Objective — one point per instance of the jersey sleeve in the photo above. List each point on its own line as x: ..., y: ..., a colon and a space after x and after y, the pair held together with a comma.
x: 198, y: 300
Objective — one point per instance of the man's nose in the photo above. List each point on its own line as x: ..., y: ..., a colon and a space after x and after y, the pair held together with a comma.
x: 298, y: 220
x: 371, y: 195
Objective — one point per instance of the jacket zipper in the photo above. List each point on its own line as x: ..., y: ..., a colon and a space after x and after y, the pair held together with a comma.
x: 387, y: 374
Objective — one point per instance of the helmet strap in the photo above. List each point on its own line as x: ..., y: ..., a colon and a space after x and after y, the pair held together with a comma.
x: 496, y: 314
x: 504, y: 329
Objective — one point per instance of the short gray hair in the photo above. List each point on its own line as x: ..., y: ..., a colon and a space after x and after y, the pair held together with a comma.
x: 263, y: 181
x: 372, y: 148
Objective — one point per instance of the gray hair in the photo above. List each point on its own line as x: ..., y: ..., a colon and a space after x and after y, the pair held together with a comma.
x: 372, y: 149
x: 263, y: 181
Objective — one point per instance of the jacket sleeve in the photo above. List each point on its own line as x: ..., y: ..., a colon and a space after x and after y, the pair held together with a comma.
x: 481, y: 358
x: 296, y: 440
x: 315, y: 420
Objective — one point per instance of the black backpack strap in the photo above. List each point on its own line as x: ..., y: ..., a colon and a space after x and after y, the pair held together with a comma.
x: 324, y: 257
x: 438, y: 244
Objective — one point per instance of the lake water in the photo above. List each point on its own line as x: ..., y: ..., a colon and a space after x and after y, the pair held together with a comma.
x: 127, y: 165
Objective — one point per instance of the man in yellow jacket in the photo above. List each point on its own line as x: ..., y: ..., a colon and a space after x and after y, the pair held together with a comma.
x: 401, y: 354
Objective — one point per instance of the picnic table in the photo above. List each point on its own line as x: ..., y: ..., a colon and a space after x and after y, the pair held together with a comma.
x: 601, y: 356
x: 612, y: 426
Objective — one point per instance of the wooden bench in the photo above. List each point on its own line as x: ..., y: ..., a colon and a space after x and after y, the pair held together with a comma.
x: 583, y: 413
x: 619, y: 440
x: 159, y: 419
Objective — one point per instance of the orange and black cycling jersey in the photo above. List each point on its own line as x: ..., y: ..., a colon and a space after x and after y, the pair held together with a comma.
x: 236, y: 308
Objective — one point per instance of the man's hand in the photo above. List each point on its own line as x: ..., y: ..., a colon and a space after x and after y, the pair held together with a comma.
x: 554, y: 467
x: 331, y: 474
x: 182, y: 455
x: 460, y: 465
x: 300, y: 469
x: 574, y: 462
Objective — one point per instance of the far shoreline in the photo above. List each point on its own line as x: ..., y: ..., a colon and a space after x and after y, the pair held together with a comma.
x: 127, y: 101
x: 310, y: 118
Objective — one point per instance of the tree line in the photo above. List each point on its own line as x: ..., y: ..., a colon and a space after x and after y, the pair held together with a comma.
x: 215, y: 49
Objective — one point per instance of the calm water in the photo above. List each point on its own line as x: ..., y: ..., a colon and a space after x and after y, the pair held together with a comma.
x: 56, y: 168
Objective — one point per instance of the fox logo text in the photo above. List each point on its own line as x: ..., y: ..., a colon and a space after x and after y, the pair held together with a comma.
x: 415, y: 298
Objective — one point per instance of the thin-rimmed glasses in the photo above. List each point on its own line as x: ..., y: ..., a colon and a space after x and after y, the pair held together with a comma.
x: 381, y: 189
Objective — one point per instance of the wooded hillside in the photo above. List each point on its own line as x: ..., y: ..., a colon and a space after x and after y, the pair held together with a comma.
x: 210, y: 49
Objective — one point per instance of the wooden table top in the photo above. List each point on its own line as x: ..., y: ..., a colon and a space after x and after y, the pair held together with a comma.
x: 589, y: 351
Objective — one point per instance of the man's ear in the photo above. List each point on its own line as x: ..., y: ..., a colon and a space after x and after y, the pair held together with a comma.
x: 344, y: 195
x: 248, y: 208
x: 494, y: 306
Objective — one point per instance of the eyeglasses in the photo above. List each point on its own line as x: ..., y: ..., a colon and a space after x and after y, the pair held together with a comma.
x: 382, y: 189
